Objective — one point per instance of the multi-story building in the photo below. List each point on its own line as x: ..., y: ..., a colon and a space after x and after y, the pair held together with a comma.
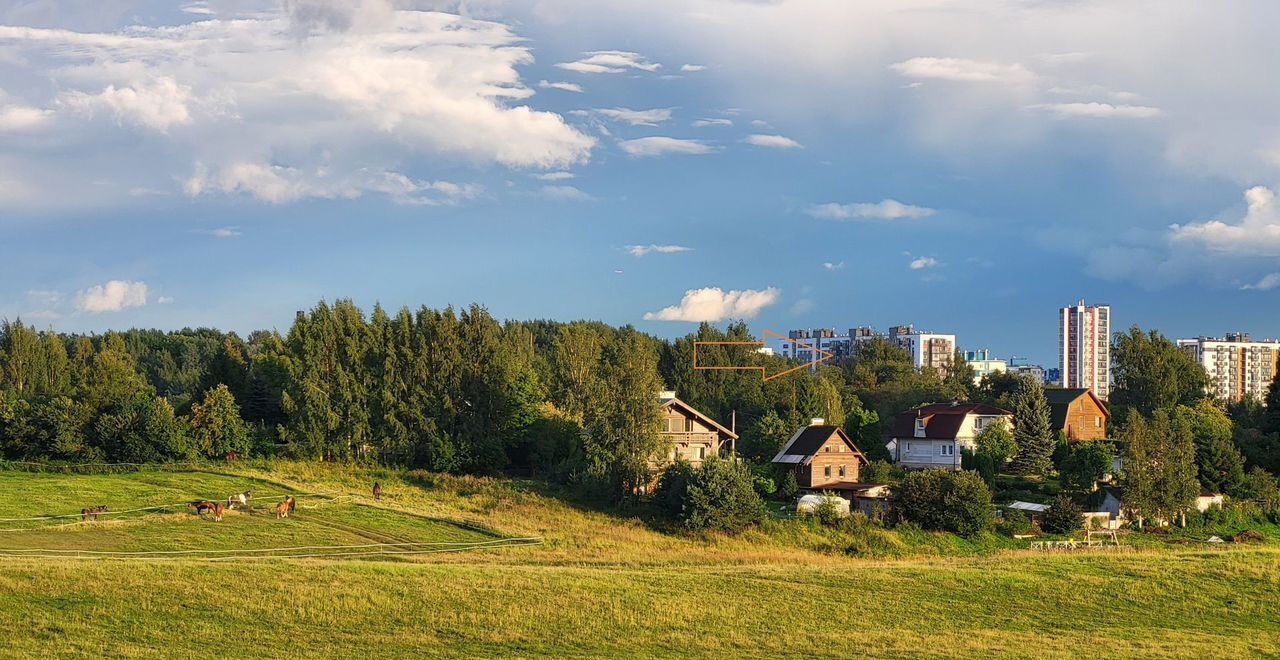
x: 1084, y: 347
x: 1236, y: 365
x: 926, y: 349
x: 984, y: 364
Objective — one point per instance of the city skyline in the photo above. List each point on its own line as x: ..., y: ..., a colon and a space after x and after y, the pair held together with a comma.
x: 657, y: 177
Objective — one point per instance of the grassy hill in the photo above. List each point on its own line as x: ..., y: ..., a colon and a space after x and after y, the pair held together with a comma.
x: 597, y: 585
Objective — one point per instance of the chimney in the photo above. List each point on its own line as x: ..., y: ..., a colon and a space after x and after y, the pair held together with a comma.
x: 666, y: 395
x: 817, y: 421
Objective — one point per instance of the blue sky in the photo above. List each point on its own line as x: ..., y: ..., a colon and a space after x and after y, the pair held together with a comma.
x: 965, y: 166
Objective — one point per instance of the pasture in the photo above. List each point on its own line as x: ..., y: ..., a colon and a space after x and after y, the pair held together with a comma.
x: 598, y: 585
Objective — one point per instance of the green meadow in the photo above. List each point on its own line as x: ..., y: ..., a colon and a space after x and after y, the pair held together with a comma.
x: 597, y: 584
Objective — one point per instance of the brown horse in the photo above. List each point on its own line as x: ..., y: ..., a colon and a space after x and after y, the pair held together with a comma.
x: 201, y: 506
x: 92, y: 512
x: 286, y: 507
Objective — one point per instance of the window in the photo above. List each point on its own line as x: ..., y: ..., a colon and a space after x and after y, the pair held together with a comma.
x: 947, y: 450
x: 977, y: 423
x: 1097, y: 422
x: 826, y: 471
x: 688, y: 426
x: 842, y: 470
x: 702, y: 452
x: 666, y: 425
x: 919, y: 427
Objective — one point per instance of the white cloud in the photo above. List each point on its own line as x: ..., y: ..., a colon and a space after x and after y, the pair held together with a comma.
x: 692, y: 68
x: 556, y: 176
x: 112, y: 296
x: 278, y: 184
x: 714, y: 304
x: 651, y: 117
x: 922, y: 263
x: 220, y: 232
x: 642, y: 250
x: 772, y: 141
x: 609, y: 61
x: 715, y: 121
x: 565, y: 194
x: 1267, y: 283
x: 1257, y: 234
x: 280, y: 103
x: 888, y: 209
x: 827, y: 265
x: 164, y: 300
x: 158, y: 104
x: 22, y: 118
x: 1095, y: 109
x: 563, y: 86
x: 962, y: 70
x: 647, y: 147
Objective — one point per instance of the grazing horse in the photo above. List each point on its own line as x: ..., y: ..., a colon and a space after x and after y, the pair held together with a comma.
x: 92, y: 512
x: 287, y: 506
x: 201, y: 506
x: 239, y: 499
x: 377, y: 491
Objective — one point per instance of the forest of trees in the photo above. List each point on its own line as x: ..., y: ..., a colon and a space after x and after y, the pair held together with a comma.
x: 460, y: 391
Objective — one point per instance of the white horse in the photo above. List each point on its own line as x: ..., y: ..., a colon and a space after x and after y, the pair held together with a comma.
x: 239, y: 499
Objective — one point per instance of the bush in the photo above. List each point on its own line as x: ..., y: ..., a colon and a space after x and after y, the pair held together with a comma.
x: 878, y: 472
x: 1014, y: 522
x: 831, y: 511
x: 1064, y: 516
x: 762, y: 479
x: 1083, y: 465
x: 788, y: 488
x: 943, y: 500
x: 719, y: 496
x: 673, y: 488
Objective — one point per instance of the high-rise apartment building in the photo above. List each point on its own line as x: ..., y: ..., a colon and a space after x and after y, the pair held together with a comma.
x: 1084, y: 347
x: 1237, y: 366
x: 926, y: 349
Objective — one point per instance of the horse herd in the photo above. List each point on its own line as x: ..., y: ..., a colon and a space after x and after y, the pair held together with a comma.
x: 235, y: 501
x: 239, y: 501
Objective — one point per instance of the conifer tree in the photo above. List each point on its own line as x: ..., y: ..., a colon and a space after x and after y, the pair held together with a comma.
x: 1032, y: 432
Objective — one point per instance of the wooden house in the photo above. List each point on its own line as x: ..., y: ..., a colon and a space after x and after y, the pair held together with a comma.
x: 1078, y: 413
x: 823, y: 458
x: 689, y: 434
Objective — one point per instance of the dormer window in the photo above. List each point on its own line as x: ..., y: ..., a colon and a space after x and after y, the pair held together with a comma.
x: 920, y: 428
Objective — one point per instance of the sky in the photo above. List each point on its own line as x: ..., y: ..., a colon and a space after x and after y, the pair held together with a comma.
x: 966, y: 166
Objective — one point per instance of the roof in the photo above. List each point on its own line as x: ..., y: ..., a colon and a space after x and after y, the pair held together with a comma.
x: 943, y: 420
x: 1061, y: 398
x: 865, y: 489
x: 806, y: 442
x: 674, y: 401
x: 1029, y: 506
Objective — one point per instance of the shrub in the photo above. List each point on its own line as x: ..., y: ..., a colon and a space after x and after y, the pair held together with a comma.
x: 762, y: 479
x: 673, y: 488
x: 1014, y: 522
x: 789, y: 487
x: 719, y: 496
x: 1064, y: 516
x: 1084, y: 465
x: 878, y: 472
x: 943, y: 500
x: 830, y: 511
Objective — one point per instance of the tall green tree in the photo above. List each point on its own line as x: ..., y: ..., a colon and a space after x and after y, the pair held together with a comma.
x: 1159, y: 466
x: 623, y: 423
x: 1151, y: 373
x: 216, y: 425
x: 1032, y: 430
x: 1219, y: 462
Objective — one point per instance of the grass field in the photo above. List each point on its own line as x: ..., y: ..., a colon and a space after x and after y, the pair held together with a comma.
x: 599, y: 585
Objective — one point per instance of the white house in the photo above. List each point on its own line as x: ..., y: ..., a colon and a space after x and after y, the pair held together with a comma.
x: 934, y: 435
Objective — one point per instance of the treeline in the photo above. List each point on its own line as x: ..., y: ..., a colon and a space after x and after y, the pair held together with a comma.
x: 458, y: 390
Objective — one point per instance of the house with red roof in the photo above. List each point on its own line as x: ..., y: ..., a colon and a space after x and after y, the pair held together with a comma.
x: 934, y: 435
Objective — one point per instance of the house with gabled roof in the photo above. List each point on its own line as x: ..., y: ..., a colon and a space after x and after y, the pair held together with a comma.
x: 823, y: 458
x: 936, y: 434
x: 1077, y: 412
x: 689, y: 434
